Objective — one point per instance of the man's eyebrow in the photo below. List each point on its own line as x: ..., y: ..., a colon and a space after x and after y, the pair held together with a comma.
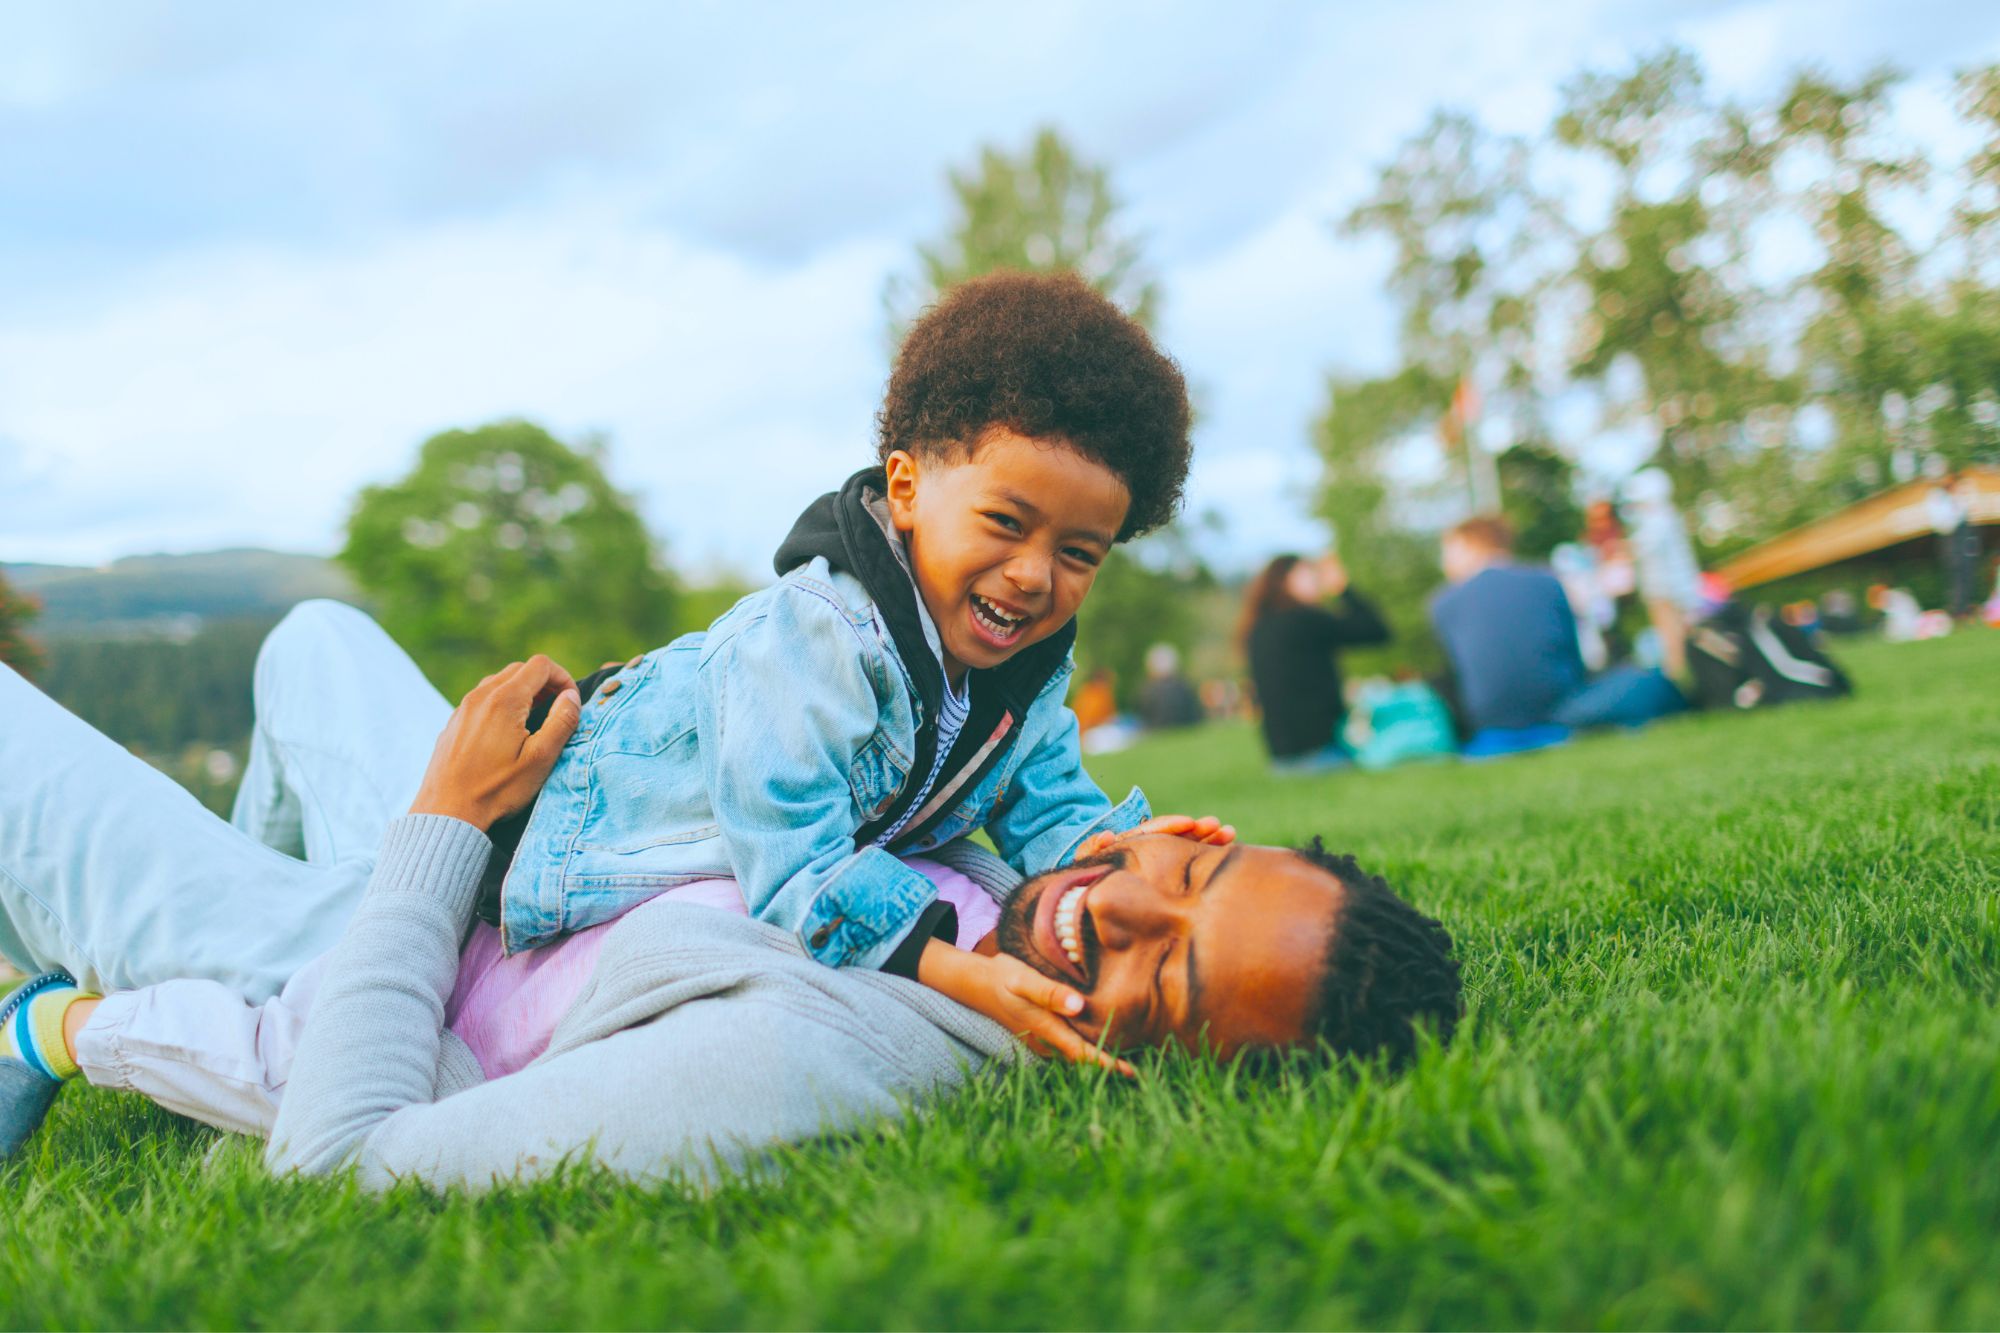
x: 1192, y: 987
x: 1220, y: 866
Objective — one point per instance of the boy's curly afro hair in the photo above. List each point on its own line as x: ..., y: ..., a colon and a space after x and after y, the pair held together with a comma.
x: 1048, y: 357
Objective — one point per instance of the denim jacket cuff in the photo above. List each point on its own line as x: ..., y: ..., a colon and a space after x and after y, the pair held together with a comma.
x: 865, y: 910
x: 1123, y: 817
x: 939, y: 921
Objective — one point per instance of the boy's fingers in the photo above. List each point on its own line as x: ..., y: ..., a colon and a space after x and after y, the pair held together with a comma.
x: 1057, y: 1040
x: 1050, y: 995
x: 1082, y: 1052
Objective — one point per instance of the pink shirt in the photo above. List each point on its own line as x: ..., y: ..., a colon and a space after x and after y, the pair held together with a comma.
x: 506, y: 1009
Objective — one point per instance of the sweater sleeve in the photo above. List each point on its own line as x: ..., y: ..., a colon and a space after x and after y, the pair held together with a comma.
x: 1351, y: 622
x: 370, y: 1046
x: 699, y: 1090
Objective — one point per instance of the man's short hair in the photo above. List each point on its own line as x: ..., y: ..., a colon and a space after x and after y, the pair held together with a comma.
x: 1046, y: 356
x: 1389, y: 969
x: 1489, y: 532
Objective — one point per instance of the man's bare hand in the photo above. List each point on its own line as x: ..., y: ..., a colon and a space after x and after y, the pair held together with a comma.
x: 487, y: 763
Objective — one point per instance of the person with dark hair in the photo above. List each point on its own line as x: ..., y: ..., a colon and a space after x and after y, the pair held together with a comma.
x: 683, y: 1039
x: 1949, y: 504
x: 1389, y: 969
x: 1510, y: 636
x: 1297, y: 616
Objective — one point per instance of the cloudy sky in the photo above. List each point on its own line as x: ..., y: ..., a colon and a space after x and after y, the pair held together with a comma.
x: 252, y: 254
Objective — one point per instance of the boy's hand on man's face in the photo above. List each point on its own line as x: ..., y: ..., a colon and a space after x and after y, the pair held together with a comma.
x: 1039, y: 1010
x: 1206, y: 829
x: 487, y: 763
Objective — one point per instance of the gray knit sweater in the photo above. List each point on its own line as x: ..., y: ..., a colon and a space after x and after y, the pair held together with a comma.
x: 700, y: 1040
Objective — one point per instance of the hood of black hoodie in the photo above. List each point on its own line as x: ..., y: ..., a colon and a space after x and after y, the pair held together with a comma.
x: 840, y: 526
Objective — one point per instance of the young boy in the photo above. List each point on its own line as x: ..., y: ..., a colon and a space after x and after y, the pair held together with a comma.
x: 902, y: 684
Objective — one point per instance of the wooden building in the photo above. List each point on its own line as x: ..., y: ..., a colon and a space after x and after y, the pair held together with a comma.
x: 1883, y: 524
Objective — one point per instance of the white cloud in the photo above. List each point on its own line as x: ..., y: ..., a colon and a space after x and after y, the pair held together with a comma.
x: 276, y: 385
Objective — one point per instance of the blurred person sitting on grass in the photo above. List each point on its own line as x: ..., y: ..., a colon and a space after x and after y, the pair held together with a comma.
x: 1168, y: 700
x: 1511, y: 639
x: 1297, y: 616
x: 682, y: 1039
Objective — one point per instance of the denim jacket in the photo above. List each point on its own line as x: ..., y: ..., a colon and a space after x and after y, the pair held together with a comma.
x: 776, y: 745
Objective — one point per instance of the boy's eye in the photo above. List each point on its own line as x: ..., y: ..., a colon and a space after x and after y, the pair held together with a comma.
x: 1006, y: 521
x: 1078, y: 553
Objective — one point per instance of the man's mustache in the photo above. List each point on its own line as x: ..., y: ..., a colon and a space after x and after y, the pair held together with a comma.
x: 1013, y: 928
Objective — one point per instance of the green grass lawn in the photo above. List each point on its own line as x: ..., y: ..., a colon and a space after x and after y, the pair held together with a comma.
x: 1732, y: 1059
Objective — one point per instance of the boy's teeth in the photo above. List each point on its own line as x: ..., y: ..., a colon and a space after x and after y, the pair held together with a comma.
x: 1000, y: 621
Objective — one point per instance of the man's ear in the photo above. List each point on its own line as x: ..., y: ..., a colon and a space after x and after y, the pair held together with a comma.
x: 902, y: 468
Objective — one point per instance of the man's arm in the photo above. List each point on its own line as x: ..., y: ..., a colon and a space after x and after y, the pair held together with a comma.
x: 1352, y: 619
x: 372, y: 1043
x: 698, y: 1090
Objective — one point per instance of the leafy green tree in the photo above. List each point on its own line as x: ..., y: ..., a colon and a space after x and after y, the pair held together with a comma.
x: 1041, y: 211
x: 17, y: 650
x: 1047, y: 210
x: 1470, y: 237
x: 1469, y: 231
x: 1538, y: 497
x: 1140, y: 599
x: 1975, y: 221
x: 1665, y: 280
x: 1388, y: 556
x: 1773, y: 399
x: 502, y: 542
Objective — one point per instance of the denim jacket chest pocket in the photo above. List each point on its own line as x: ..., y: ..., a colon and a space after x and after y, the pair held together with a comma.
x: 645, y: 785
x: 877, y: 775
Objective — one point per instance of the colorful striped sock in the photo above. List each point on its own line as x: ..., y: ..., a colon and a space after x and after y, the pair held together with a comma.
x: 34, y: 1031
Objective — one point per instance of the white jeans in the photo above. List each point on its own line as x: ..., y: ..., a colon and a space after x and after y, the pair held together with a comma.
x: 200, y: 932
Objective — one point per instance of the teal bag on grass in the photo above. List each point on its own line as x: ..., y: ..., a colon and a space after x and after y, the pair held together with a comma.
x: 1407, y: 722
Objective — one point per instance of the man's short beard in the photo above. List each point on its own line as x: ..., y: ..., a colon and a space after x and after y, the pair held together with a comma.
x: 1016, y: 927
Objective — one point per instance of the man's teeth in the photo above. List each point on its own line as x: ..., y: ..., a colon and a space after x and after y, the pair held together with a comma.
x: 1068, y: 932
x: 993, y: 618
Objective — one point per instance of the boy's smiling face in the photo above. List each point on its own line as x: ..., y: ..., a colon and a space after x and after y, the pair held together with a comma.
x: 1004, y: 542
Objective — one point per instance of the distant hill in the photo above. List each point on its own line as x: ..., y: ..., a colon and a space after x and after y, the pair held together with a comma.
x: 173, y: 595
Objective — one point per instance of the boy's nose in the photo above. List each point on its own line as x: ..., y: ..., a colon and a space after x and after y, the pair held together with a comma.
x: 1029, y: 573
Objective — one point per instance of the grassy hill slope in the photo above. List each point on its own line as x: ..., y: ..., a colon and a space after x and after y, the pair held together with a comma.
x: 1731, y: 1060
x: 145, y: 593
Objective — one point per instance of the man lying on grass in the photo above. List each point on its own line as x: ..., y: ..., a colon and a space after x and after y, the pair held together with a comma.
x: 685, y: 1041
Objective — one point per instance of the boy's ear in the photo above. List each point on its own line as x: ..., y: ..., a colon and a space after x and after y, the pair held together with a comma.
x: 902, y: 468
